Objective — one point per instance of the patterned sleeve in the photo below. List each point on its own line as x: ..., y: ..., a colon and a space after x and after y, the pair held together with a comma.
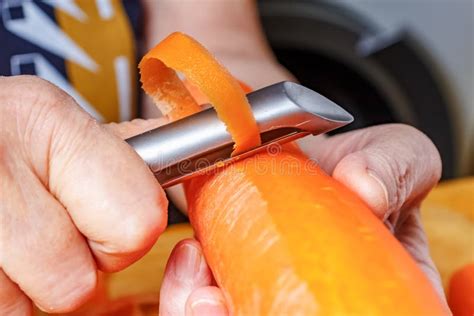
x: 86, y: 47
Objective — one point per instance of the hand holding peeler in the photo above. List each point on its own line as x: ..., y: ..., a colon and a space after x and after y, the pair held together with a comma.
x: 199, y: 143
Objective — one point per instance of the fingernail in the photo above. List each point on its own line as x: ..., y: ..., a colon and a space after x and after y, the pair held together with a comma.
x: 187, y: 262
x: 382, y: 206
x: 208, y: 307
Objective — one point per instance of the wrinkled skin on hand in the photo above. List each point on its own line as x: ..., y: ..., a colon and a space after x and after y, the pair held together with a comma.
x: 75, y: 198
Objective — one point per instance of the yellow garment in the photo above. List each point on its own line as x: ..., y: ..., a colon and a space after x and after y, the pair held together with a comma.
x: 105, y: 35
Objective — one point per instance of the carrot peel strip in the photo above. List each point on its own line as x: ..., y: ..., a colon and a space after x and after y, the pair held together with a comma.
x: 179, y: 52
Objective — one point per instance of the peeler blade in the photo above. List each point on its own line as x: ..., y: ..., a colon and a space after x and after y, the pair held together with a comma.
x: 199, y: 143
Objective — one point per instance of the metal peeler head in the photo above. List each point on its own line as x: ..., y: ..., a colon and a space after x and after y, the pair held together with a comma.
x: 284, y: 112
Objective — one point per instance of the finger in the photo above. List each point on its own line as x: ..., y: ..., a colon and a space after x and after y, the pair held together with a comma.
x: 128, y: 129
x: 412, y: 236
x: 206, y: 301
x: 42, y: 251
x: 392, y: 167
x: 12, y: 299
x: 185, y: 272
x: 109, y: 192
x: 389, y: 166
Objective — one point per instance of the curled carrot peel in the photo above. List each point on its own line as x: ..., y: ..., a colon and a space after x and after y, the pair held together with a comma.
x: 167, y: 90
x: 179, y: 52
x: 201, y: 98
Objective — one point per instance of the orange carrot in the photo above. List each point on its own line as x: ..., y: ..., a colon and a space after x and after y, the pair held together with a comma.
x: 184, y: 54
x: 461, y: 291
x: 282, y: 237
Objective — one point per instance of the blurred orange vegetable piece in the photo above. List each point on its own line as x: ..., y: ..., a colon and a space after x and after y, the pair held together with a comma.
x: 461, y: 291
x: 179, y: 52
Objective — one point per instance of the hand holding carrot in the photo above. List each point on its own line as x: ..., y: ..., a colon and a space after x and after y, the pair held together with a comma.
x: 391, y: 167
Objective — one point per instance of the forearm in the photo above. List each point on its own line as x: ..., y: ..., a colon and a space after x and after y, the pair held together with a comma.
x: 222, y: 26
x: 229, y: 29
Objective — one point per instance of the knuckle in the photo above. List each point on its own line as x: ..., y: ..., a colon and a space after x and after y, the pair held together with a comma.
x: 24, y: 84
x: 401, y: 174
x: 25, y: 81
x: 140, y: 231
x: 33, y: 111
x: 133, y: 235
x: 28, y: 90
x: 410, y: 132
x: 27, y: 99
x: 419, y: 165
x: 140, y: 234
x: 145, y: 229
x: 426, y: 152
x: 407, y: 132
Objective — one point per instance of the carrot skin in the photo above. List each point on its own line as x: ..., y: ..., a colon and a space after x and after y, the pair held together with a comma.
x: 284, y: 238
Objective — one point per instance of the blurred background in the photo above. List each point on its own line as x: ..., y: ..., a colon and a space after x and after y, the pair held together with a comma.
x: 407, y: 61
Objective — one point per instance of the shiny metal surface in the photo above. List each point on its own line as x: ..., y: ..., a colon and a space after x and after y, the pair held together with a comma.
x: 284, y: 111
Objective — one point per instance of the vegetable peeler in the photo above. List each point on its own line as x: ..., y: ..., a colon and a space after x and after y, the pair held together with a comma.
x: 200, y: 143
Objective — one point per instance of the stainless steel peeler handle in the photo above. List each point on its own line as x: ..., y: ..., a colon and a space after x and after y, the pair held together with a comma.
x: 284, y: 111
